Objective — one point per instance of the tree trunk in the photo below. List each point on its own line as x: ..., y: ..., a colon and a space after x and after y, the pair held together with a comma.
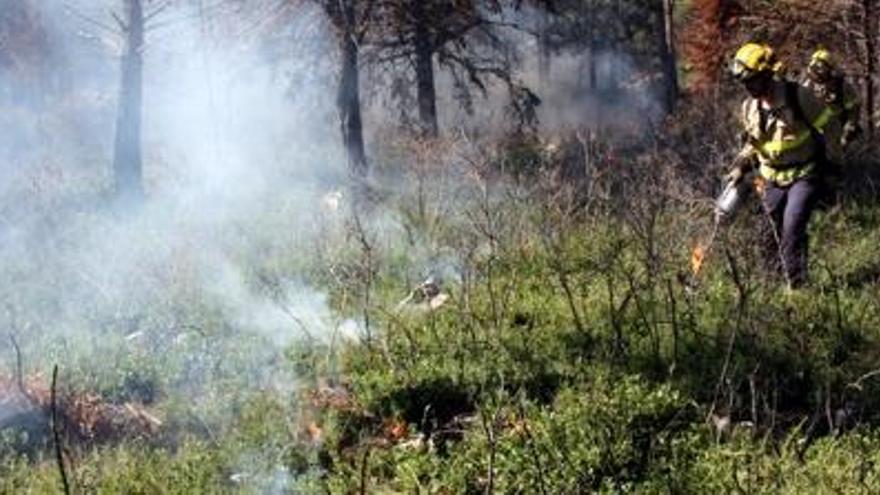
x: 871, y: 62
x: 669, y: 56
x: 424, y: 65
x: 348, y: 104
x: 127, y: 159
x: 592, y: 67
x: 593, y: 50
x: 543, y: 46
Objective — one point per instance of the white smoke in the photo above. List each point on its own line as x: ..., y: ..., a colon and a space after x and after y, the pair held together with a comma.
x: 234, y: 164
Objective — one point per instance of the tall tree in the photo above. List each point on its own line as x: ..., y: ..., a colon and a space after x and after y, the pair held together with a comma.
x: 460, y: 36
x: 870, y: 27
x: 127, y: 153
x: 423, y: 57
x: 25, y: 52
x: 350, y: 20
x: 703, y: 43
x: 543, y: 45
x: 592, y: 44
x: 670, y: 59
x: 132, y: 26
x: 636, y: 28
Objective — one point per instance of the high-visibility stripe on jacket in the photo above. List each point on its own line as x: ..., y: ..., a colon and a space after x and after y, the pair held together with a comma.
x: 782, y: 143
x: 833, y: 111
x: 841, y: 108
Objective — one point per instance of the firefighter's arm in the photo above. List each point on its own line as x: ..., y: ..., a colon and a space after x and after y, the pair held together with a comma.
x: 821, y: 117
x: 812, y: 106
x: 851, y: 109
x: 742, y: 163
x: 747, y: 157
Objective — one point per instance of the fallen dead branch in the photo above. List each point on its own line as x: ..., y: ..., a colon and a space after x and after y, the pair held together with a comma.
x: 56, y: 433
x: 88, y: 418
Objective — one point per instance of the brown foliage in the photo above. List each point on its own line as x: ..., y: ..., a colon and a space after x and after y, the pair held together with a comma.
x: 793, y: 27
x: 85, y: 417
x: 704, y: 38
x: 23, y: 42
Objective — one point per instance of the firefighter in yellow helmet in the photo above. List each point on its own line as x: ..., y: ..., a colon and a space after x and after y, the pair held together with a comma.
x: 830, y: 86
x: 782, y: 142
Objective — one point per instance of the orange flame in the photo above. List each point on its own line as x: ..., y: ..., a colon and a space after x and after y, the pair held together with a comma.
x: 760, y: 184
x: 697, y: 258
x: 316, y: 433
x: 395, y: 429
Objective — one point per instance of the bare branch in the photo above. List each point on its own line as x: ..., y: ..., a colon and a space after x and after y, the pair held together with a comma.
x: 56, y: 434
x: 161, y: 7
x: 19, y: 375
x: 202, y: 12
x: 122, y: 24
x: 364, y: 465
x: 94, y: 22
x: 858, y: 383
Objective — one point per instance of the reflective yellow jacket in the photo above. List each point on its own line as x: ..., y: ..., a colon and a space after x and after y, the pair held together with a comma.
x: 841, y: 105
x: 781, y: 143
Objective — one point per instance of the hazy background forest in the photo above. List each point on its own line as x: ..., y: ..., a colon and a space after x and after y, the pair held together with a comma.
x: 406, y: 246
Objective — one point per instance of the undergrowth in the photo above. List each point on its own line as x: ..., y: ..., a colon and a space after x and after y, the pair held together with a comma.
x: 575, y: 352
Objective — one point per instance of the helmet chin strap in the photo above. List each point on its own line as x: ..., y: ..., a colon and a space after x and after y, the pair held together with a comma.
x: 760, y: 86
x: 821, y: 74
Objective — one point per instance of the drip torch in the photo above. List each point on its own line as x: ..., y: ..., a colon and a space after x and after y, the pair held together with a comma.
x: 727, y: 205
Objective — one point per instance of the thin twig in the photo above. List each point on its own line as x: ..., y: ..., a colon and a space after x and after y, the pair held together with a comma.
x: 364, y: 460
x: 742, y: 304
x: 556, y: 251
x: 724, y: 370
x: 56, y: 434
x: 367, y: 264
x: 123, y: 26
x: 19, y: 374
x: 858, y: 383
x: 530, y: 441
x: 106, y: 27
x: 156, y: 11
x: 278, y: 298
x: 773, y: 225
x: 673, y: 318
x: 810, y: 434
x: 489, y: 429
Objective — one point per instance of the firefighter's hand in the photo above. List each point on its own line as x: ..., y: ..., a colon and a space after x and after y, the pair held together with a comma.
x: 742, y: 163
x: 721, y: 216
x: 735, y: 175
x: 850, y: 133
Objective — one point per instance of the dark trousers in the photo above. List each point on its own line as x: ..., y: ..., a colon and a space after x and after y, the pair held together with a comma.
x: 785, y: 237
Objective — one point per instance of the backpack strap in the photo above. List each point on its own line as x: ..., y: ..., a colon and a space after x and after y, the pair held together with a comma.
x: 840, y: 97
x: 793, y: 101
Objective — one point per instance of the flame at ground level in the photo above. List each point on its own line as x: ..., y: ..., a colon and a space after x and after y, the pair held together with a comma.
x: 698, y: 256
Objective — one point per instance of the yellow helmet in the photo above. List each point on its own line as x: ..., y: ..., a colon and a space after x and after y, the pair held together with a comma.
x: 822, y: 55
x: 778, y: 69
x: 821, y: 65
x: 753, y: 58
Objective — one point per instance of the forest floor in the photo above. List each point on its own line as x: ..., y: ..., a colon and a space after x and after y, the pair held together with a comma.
x: 514, y: 332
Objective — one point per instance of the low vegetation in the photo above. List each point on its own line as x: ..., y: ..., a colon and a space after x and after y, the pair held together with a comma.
x: 560, y: 345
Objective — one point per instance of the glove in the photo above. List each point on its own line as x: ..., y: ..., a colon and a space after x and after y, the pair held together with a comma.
x: 740, y: 166
x: 851, y: 131
x: 735, y: 175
